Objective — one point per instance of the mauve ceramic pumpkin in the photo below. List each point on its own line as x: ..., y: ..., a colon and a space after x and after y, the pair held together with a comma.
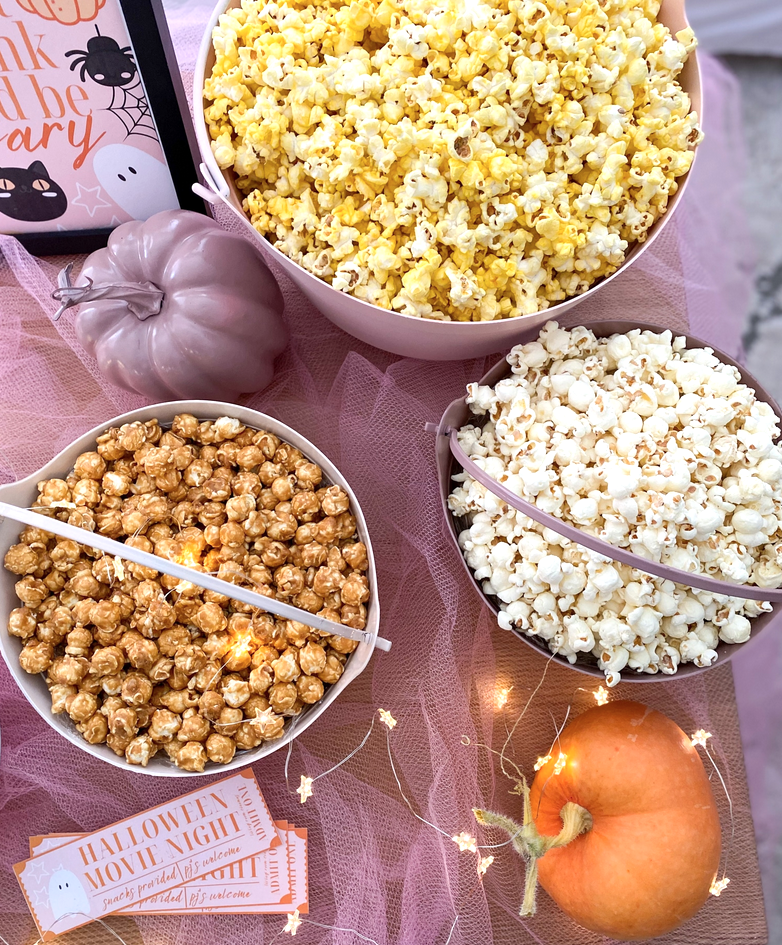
x: 179, y: 308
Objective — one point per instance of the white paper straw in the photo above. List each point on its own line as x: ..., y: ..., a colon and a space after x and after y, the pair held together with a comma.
x: 184, y: 573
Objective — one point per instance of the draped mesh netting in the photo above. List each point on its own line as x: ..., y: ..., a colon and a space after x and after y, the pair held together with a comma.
x: 372, y: 866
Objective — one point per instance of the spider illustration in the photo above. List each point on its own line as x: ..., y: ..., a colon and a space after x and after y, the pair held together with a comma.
x: 105, y: 62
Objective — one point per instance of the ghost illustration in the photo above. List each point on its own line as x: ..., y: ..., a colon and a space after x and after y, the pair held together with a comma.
x: 67, y: 895
x: 134, y: 180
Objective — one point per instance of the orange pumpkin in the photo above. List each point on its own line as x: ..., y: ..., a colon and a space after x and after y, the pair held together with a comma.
x: 64, y: 11
x: 626, y: 838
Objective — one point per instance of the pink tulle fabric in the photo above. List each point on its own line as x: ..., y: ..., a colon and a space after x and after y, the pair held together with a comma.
x: 376, y: 873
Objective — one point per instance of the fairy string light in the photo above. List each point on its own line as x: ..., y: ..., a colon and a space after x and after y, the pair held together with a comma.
x: 304, y: 790
x: 296, y: 920
x: 89, y: 918
x: 453, y: 927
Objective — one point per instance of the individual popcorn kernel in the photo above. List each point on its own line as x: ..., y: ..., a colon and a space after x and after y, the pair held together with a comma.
x: 112, y: 685
x: 354, y: 617
x: 282, y: 696
x: 211, y: 705
x: 89, y: 466
x: 355, y: 556
x: 136, y: 689
x: 220, y: 748
x: 261, y: 678
x: 179, y: 700
x: 94, y: 729
x: 194, y: 728
x: 142, y: 654
x: 190, y: 659
x: 123, y: 722
x: 191, y: 757
x: 164, y: 725
x: 78, y: 642
x: 31, y: 591
x: 22, y: 623
x: 21, y: 559
x: 235, y: 691
x: 185, y: 425
x: 247, y: 738
x: 309, y: 689
x: 118, y: 743
x: 355, y: 591
x: 210, y: 619
x: 309, y: 600
x: 332, y: 670
x: 69, y: 670
x: 60, y: 694
x: 335, y: 501
x: 229, y: 721
x: 312, y: 659
x: 140, y: 751
x: 81, y: 706
x: 172, y: 639
x: 286, y: 668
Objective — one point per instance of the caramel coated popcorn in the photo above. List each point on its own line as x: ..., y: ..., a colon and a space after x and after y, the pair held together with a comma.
x: 148, y: 663
x: 452, y: 160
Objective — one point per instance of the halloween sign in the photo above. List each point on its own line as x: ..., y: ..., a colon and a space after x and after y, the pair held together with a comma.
x: 81, y: 147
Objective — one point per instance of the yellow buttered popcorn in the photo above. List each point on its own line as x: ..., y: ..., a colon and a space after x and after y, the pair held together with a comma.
x: 468, y: 160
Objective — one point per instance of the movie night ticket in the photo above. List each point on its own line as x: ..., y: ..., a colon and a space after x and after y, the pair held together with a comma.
x: 298, y: 870
x: 260, y: 882
x: 149, y: 853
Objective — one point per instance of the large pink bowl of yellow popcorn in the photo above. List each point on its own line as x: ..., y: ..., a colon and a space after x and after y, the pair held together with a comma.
x: 439, y: 180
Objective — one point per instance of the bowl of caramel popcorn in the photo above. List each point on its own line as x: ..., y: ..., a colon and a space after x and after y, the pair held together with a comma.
x: 439, y: 179
x: 151, y: 672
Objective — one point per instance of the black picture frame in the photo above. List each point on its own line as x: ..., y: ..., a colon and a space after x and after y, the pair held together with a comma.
x: 156, y: 61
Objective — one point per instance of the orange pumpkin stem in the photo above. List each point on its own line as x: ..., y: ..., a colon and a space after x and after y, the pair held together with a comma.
x: 530, y: 844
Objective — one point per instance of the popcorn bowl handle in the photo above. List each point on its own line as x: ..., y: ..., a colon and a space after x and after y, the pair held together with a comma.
x: 585, y: 540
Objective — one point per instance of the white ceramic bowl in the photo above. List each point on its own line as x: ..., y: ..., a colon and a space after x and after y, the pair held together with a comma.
x: 24, y: 493
x: 391, y: 331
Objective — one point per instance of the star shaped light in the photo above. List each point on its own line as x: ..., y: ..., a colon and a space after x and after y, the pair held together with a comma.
x: 293, y: 923
x: 464, y: 841
x: 559, y: 765
x: 719, y: 886
x: 601, y: 695
x: 484, y: 863
x: 700, y: 738
x: 89, y: 198
x: 304, y: 791
x: 263, y: 723
x: 386, y: 718
x: 543, y: 760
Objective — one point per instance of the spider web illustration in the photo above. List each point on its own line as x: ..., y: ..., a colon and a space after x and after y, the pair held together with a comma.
x: 130, y: 105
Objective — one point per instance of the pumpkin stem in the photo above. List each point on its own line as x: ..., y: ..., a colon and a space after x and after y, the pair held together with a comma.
x: 143, y: 299
x: 531, y: 845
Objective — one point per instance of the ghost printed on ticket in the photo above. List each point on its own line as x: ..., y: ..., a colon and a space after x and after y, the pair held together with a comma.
x: 67, y: 896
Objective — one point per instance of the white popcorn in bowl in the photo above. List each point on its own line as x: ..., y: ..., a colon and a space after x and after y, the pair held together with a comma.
x: 648, y: 445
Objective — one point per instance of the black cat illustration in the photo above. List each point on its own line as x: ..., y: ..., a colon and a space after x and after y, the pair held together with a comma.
x: 28, y: 193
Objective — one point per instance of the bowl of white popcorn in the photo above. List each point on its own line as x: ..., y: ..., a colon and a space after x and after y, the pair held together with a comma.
x: 439, y: 179
x: 616, y: 494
